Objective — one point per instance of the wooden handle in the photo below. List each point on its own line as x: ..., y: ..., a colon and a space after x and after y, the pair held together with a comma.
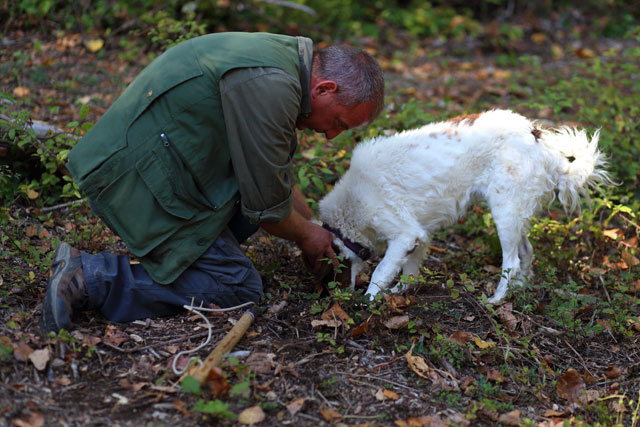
x: 200, y: 372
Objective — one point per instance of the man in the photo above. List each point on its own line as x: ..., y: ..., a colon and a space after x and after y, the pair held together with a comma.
x: 192, y: 158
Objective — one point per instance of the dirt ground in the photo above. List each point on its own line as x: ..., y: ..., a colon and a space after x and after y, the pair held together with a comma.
x: 358, y: 372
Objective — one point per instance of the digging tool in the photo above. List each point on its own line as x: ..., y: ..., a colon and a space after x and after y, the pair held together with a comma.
x: 200, y: 372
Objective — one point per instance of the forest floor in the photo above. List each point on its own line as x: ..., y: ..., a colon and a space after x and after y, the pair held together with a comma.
x: 434, y: 356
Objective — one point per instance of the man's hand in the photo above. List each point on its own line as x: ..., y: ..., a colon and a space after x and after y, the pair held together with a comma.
x: 314, y: 241
x: 318, y: 253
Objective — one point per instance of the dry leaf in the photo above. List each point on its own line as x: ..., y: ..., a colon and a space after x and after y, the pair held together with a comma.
x: 260, y: 362
x: 570, y: 385
x: 253, y: 415
x: 510, y: 418
x: 460, y: 337
x: 629, y: 259
x: 94, y: 45
x: 483, y: 344
x: 612, y: 372
x: 613, y: 233
x: 114, y: 336
x: 330, y: 415
x: 506, y: 315
x: 22, y: 351
x: 501, y: 74
x: 538, y: 38
x: 496, y: 376
x: 397, y: 322
x: 330, y: 323
x: 124, y: 383
x: 423, y: 421
x: 295, y: 405
x: 336, y: 312
x: 20, y: 91
x: 399, y: 302
x: 34, y: 420
x: 360, y: 329
x: 32, y: 194
x: 217, y: 382
x: 37, y: 230
x: 385, y: 394
x: 90, y: 341
x: 39, y: 358
x: 584, y: 53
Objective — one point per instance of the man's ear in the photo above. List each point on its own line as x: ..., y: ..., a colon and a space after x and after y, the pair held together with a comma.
x: 324, y: 87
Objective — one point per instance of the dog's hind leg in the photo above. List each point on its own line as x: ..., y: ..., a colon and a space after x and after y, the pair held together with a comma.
x: 510, y: 230
x: 398, y: 253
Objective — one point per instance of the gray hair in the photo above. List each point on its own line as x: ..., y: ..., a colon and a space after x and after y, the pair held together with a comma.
x: 359, y: 77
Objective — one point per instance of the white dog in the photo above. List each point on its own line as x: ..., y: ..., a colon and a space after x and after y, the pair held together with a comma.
x: 401, y: 189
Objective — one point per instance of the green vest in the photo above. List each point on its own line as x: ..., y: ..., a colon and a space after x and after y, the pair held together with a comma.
x: 157, y: 164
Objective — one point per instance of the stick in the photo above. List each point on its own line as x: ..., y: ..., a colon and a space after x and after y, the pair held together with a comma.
x: 201, y: 372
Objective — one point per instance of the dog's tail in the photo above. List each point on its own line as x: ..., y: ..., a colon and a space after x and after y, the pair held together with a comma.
x: 581, y: 163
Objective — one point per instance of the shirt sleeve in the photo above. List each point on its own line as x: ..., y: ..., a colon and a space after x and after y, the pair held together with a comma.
x: 260, y: 107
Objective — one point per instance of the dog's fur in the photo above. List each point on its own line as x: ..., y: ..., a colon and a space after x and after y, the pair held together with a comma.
x: 400, y: 189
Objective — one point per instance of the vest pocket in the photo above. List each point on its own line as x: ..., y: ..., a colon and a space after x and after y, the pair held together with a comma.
x: 142, y: 207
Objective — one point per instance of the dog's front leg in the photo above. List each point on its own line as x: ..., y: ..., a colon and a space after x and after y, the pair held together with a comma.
x: 389, y: 267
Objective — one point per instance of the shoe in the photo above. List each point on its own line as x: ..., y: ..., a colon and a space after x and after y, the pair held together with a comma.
x: 66, y: 290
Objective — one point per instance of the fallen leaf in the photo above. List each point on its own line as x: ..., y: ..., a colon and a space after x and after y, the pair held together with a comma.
x: 35, y: 420
x: 483, y: 344
x: 460, y: 337
x: 385, y: 394
x: 90, y: 341
x: 37, y: 230
x: 505, y: 312
x: 510, y: 418
x: 613, y: 233
x: 20, y: 91
x: 538, y: 38
x: 423, y: 421
x: 629, y: 259
x: 22, y: 351
x: 570, y: 385
x: 501, y: 74
x: 94, y: 45
x: 181, y: 407
x: 330, y: 415
x: 295, y: 405
x: 330, y: 323
x: 135, y: 386
x: 336, y: 313
x: 496, y: 376
x: 217, y: 382
x: 612, y: 372
x: 114, y: 336
x: 360, y: 329
x: 397, y: 322
x: 253, y: 415
x: 584, y: 53
x: 39, y: 358
x: 261, y: 362
x: 399, y: 302
x: 32, y: 194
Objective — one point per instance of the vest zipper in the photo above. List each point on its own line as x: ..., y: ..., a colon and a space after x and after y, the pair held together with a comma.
x: 166, y: 144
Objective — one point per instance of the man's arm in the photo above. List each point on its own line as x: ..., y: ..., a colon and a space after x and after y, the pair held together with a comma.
x: 313, y: 240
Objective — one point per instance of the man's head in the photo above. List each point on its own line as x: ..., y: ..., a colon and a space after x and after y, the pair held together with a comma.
x: 346, y: 90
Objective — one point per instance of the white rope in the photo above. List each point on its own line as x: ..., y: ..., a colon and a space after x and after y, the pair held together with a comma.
x: 209, y: 329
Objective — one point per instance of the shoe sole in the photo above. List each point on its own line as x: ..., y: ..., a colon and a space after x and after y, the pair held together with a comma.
x: 50, y: 320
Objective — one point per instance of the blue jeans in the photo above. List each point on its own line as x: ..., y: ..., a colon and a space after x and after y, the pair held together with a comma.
x: 223, y: 275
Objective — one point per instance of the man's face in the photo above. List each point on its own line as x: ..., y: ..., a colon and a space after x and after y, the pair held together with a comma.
x: 328, y: 116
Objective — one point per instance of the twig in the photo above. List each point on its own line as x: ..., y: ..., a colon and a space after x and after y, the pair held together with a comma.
x: 62, y: 205
x: 584, y: 365
x: 292, y: 5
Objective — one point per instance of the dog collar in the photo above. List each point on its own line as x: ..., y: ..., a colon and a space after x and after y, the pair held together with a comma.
x: 362, y: 252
